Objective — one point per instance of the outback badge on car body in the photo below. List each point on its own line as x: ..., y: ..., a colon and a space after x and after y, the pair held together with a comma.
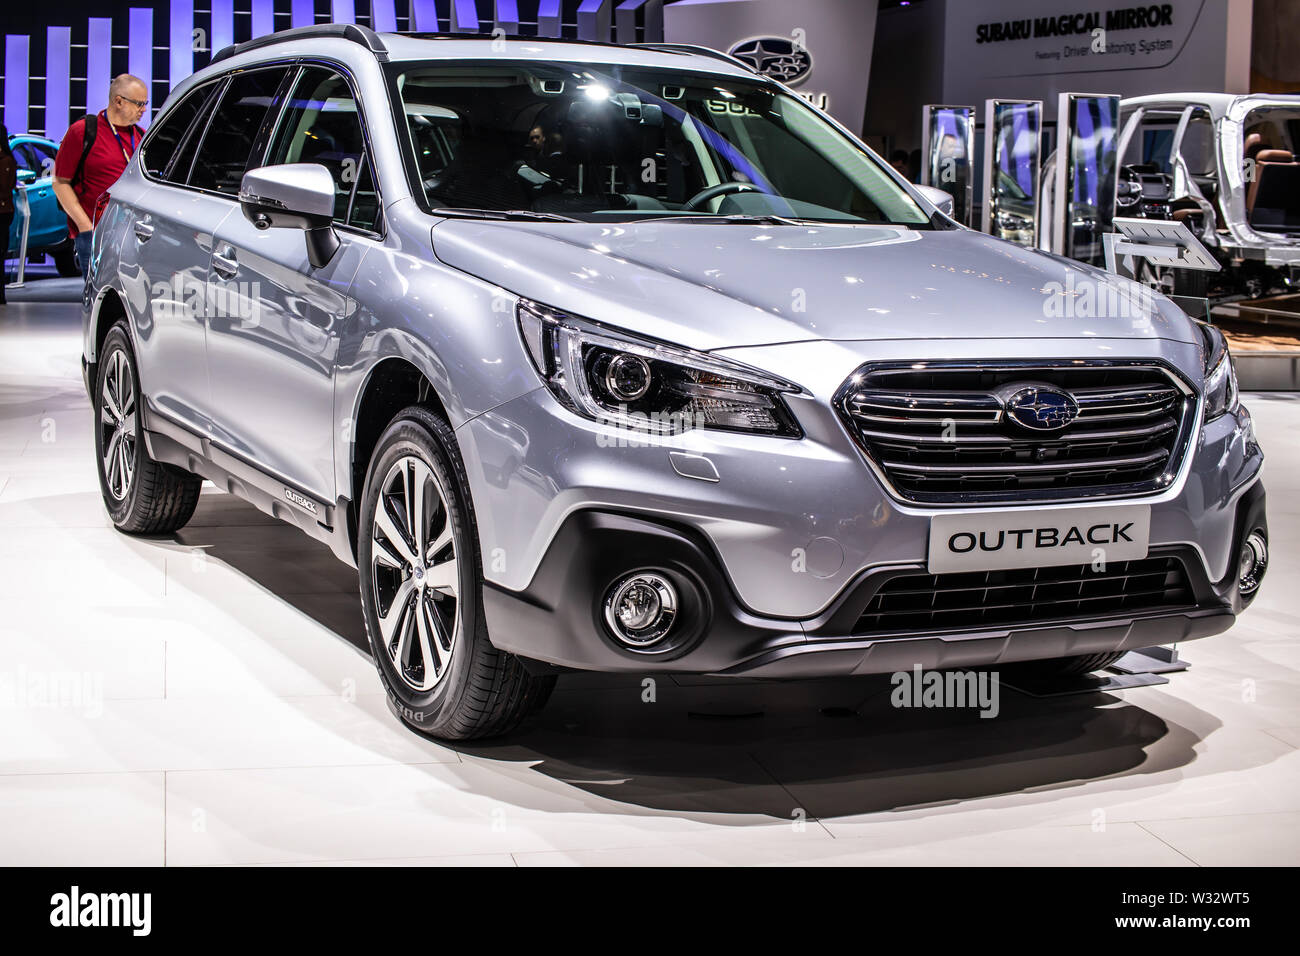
x: 1041, y: 407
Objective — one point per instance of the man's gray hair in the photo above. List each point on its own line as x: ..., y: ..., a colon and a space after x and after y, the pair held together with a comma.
x: 122, y: 84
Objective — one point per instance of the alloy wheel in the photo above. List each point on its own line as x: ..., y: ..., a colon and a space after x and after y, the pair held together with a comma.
x: 415, y: 573
x: 117, y: 423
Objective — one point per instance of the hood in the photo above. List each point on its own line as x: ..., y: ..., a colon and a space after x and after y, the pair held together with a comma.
x: 720, y: 285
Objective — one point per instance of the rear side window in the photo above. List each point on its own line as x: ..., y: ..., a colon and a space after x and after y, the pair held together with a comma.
x: 320, y: 125
x: 178, y: 171
x: 232, y: 132
x: 166, y: 137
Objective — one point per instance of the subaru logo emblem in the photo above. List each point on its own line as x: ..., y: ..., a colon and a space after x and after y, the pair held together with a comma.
x: 777, y: 57
x: 1041, y: 407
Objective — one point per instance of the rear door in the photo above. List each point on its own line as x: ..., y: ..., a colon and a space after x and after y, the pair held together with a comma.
x: 198, y: 159
x: 272, y: 348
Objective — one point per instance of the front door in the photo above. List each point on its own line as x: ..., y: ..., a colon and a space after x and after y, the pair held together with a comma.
x: 274, y: 334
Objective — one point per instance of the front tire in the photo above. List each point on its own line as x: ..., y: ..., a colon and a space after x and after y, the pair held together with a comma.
x: 422, y: 590
x: 142, y: 496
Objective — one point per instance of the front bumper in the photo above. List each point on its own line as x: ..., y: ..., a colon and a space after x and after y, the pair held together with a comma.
x: 558, y: 619
x: 786, y: 541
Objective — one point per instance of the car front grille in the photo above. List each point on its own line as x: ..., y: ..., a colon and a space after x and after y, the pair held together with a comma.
x: 941, y: 433
x: 920, y: 602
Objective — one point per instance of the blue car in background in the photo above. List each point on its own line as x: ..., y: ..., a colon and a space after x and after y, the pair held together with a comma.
x: 49, y: 228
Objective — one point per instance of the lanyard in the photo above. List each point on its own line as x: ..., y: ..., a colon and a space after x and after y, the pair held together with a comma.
x: 125, y: 154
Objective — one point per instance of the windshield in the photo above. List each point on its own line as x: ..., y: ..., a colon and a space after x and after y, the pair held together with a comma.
x: 615, y: 143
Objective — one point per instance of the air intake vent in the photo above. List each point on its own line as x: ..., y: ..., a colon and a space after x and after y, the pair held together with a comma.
x: 920, y: 602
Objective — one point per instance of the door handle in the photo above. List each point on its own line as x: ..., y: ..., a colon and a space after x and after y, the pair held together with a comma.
x: 143, y: 230
x: 225, y: 266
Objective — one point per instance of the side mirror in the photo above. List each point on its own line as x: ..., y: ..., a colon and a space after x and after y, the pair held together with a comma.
x: 26, y: 176
x: 936, y: 197
x: 293, y: 196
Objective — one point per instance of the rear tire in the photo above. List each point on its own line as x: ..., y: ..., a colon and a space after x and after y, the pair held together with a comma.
x: 422, y: 590
x: 142, y: 496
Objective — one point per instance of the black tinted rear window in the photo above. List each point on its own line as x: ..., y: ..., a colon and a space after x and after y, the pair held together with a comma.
x: 166, y: 137
x: 228, y: 143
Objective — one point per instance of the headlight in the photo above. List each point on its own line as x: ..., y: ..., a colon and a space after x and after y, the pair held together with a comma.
x: 1012, y: 222
x: 1220, y: 376
x: 631, y: 382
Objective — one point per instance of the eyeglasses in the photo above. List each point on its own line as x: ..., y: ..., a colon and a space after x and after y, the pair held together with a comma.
x: 138, y: 104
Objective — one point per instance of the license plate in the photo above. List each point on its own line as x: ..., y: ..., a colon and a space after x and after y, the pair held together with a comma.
x: 1030, y: 538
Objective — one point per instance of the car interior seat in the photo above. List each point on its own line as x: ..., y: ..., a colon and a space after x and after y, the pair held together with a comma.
x: 1273, y: 197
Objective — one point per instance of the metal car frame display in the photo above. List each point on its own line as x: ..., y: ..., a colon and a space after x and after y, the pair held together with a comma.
x: 1256, y: 257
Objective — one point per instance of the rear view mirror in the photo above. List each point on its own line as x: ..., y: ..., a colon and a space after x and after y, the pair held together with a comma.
x: 936, y: 197
x: 293, y: 196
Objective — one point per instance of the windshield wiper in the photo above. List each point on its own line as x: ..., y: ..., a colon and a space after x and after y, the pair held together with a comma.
x: 764, y: 219
x: 510, y: 215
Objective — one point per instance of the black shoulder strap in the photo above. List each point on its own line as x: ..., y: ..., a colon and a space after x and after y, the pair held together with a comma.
x: 87, y: 141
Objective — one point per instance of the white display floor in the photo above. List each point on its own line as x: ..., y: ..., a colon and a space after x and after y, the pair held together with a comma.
x: 219, y: 707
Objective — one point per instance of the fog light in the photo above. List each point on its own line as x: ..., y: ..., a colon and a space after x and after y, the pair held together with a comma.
x: 1254, y: 561
x: 640, y: 608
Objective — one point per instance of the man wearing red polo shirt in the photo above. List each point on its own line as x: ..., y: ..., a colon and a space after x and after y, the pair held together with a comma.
x: 81, y: 184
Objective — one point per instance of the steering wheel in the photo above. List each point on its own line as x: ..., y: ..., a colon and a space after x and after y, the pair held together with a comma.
x: 716, y: 190
x: 1128, y: 191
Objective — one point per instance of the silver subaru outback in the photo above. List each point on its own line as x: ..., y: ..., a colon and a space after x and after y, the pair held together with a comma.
x: 628, y: 359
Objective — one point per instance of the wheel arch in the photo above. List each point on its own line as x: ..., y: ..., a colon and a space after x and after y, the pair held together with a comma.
x: 106, y: 309
x: 391, y: 384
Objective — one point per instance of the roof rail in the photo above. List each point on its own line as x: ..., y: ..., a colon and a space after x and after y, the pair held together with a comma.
x: 346, y: 31
x: 696, y: 49
x: 440, y: 35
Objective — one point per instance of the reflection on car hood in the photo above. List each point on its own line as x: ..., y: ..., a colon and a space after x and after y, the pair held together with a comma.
x: 717, y: 285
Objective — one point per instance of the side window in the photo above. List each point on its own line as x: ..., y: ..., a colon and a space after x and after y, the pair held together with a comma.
x: 364, y: 213
x: 1197, y: 148
x: 178, y: 171
x: 37, y: 157
x: 228, y: 143
x: 24, y: 157
x: 166, y: 137
x: 320, y: 125
x: 1157, y: 143
x: 44, y: 155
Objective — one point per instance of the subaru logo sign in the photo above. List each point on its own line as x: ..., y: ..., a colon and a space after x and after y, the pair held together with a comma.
x: 1041, y: 407
x: 777, y: 57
